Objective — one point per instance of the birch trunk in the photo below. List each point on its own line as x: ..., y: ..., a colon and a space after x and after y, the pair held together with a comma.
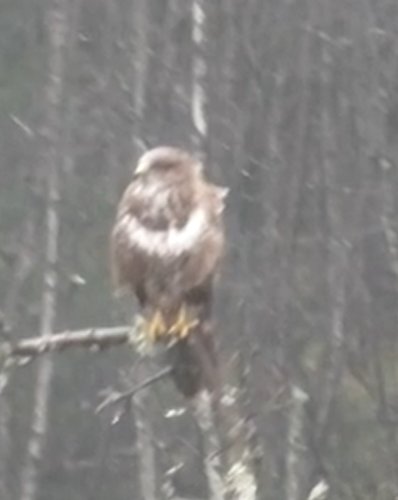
x: 139, y: 74
x: 199, y: 72
x: 296, y: 446
x: 56, y: 28
x: 145, y: 446
x: 204, y: 416
x: 202, y: 404
x: 139, y: 69
x: 71, y: 111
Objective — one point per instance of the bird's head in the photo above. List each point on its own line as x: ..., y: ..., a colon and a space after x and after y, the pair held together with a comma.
x: 168, y: 160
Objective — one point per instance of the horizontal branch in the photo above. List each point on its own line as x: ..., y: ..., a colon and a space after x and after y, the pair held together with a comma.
x: 98, y: 338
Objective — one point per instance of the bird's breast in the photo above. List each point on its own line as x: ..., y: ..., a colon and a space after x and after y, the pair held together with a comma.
x: 171, y: 242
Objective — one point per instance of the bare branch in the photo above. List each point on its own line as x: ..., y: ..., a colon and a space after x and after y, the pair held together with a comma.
x: 121, y: 397
x: 99, y: 338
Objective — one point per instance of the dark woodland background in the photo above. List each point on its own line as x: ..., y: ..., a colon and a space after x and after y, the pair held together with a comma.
x: 300, y: 120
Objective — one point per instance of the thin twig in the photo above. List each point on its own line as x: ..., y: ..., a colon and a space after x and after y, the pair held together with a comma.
x: 120, y: 397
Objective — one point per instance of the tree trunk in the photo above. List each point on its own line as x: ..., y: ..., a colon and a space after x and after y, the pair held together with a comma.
x: 56, y: 28
x: 199, y: 73
x: 204, y: 416
x: 296, y: 446
x: 139, y: 70
x: 145, y: 444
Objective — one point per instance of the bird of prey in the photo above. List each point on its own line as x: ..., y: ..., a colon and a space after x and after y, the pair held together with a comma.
x: 167, y: 242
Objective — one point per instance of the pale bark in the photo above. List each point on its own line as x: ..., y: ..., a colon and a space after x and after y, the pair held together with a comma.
x: 139, y: 74
x: 147, y: 471
x: 240, y: 480
x: 296, y: 446
x: 319, y: 491
x: 145, y: 445
x: 199, y: 73
x: 221, y: 425
x: 229, y: 66
x: 202, y: 404
x: 92, y: 338
x: 71, y: 109
x: 139, y: 64
x: 56, y: 26
x: 110, y: 95
x: 387, y: 219
x: 204, y: 416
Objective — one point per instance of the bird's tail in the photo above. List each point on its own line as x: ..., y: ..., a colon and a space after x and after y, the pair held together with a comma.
x: 194, y: 362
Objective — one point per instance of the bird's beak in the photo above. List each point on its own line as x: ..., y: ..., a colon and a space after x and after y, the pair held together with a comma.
x: 143, y: 166
x: 141, y: 169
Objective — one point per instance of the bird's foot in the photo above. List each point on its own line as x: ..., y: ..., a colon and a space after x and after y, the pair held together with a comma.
x: 183, y: 324
x: 156, y: 327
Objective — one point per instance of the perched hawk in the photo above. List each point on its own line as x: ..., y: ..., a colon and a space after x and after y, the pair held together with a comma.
x: 166, y: 245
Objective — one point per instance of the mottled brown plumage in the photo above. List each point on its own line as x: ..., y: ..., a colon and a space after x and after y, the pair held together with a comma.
x: 168, y: 240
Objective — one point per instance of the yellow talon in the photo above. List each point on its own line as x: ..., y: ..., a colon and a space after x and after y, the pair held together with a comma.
x: 156, y: 327
x: 183, y: 324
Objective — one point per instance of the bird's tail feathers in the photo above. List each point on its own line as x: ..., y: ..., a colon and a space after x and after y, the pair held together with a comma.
x: 194, y: 362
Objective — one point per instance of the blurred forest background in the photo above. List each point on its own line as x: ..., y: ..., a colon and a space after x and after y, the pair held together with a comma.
x: 294, y: 106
